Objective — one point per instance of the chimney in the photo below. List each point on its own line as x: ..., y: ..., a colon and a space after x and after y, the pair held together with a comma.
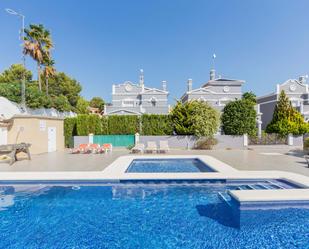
x: 164, y: 86
x: 212, y: 74
x: 189, y: 82
x: 303, y: 79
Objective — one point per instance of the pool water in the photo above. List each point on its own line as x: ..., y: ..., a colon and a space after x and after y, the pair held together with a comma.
x: 168, y: 166
x: 141, y: 216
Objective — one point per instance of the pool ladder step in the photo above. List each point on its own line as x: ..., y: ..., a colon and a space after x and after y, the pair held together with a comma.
x: 225, y: 197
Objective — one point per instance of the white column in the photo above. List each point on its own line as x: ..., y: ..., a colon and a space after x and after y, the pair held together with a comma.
x: 136, y: 138
x: 290, y: 139
x: 90, y: 138
x: 259, y: 129
x: 245, y: 140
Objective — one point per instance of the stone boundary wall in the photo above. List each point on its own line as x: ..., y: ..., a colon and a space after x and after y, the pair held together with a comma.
x: 184, y: 142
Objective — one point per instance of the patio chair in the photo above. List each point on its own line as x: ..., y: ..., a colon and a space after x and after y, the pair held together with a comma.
x: 151, y: 147
x: 163, y: 146
x: 138, y: 148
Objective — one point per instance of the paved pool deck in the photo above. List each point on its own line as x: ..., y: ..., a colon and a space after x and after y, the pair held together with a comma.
x: 256, y: 158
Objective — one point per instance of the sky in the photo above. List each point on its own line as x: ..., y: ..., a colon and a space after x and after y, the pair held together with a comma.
x: 100, y: 43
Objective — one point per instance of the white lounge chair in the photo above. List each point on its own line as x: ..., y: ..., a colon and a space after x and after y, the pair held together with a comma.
x: 151, y: 147
x: 163, y: 147
x: 138, y: 148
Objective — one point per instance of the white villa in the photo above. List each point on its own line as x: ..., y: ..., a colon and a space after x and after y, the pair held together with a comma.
x: 137, y: 99
x: 217, y: 91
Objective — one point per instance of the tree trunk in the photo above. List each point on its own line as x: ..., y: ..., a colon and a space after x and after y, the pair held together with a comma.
x: 39, y: 76
x: 46, y: 85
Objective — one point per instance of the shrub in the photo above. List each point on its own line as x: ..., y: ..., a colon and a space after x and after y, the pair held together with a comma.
x: 286, y: 119
x: 61, y: 103
x: 156, y: 125
x: 239, y: 117
x: 123, y: 125
x: 82, y: 106
x: 268, y: 139
x: 205, y: 143
x: 195, y: 118
x: 69, y: 131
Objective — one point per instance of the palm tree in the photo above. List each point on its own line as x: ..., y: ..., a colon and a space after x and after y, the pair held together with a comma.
x: 49, y: 71
x: 38, y: 44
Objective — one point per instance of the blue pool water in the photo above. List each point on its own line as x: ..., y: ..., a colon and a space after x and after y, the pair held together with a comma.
x: 168, y: 165
x: 141, y: 216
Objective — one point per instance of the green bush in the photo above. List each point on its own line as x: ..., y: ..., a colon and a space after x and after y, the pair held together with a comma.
x: 61, y: 103
x: 286, y: 119
x: 88, y: 123
x: 69, y: 131
x: 123, y: 125
x: 156, y: 125
x: 195, y: 118
x: 11, y: 91
x: 205, y: 143
x: 239, y: 117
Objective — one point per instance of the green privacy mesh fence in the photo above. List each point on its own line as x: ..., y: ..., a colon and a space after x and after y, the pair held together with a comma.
x: 115, y: 140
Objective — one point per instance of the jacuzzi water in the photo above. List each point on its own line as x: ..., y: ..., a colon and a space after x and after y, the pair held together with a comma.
x: 141, y: 216
x: 168, y: 166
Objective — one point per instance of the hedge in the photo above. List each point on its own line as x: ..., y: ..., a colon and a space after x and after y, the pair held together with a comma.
x: 104, y: 124
x: 156, y: 125
x: 123, y: 125
x: 69, y: 131
x: 86, y: 124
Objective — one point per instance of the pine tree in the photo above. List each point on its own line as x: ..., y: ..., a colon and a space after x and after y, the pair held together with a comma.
x: 286, y: 119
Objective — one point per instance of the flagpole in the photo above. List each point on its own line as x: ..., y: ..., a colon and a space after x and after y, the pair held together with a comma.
x: 213, y: 61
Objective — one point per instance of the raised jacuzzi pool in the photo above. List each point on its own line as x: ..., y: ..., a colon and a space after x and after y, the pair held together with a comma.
x: 168, y: 165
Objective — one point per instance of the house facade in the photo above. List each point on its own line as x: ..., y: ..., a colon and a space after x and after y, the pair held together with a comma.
x: 137, y: 99
x: 296, y: 90
x: 217, y: 91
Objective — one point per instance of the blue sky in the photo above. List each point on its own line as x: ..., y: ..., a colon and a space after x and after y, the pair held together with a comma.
x: 100, y: 43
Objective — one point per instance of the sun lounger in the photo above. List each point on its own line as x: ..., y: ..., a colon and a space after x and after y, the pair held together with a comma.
x: 151, y: 147
x: 163, y: 147
x: 94, y: 148
x: 138, y: 148
x: 82, y: 148
x: 107, y: 148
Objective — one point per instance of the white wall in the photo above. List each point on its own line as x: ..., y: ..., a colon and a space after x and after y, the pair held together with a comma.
x: 3, y: 135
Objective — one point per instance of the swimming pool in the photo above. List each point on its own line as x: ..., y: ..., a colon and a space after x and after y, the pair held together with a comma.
x: 133, y: 215
x: 168, y: 165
